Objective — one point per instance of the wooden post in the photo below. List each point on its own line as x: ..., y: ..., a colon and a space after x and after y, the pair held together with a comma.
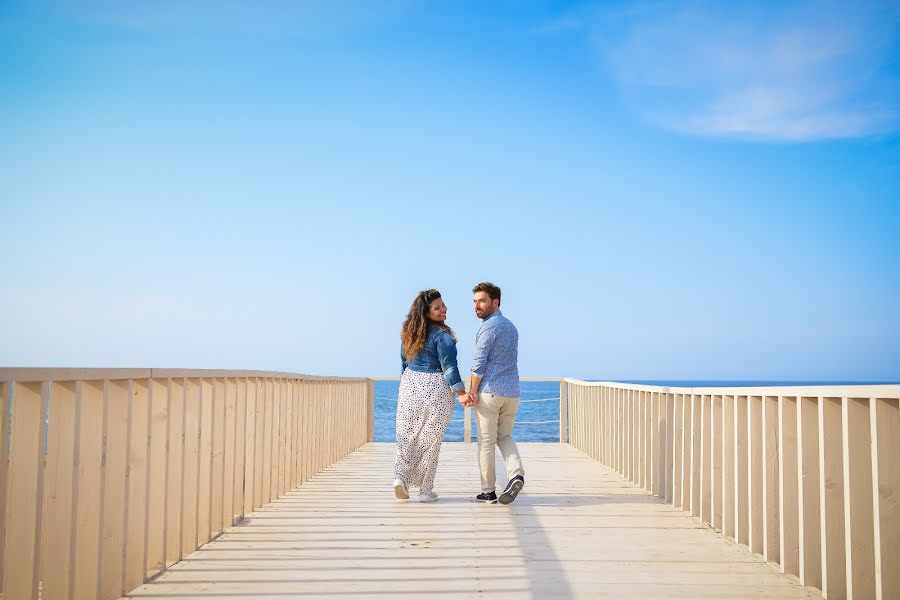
x: 771, y: 516
x: 755, y: 472
x: 859, y: 520
x: 175, y: 470
x: 191, y: 462
x: 58, y: 520
x: 729, y: 473
x: 563, y: 412
x: 204, y: 462
x: 670, y: 444
x: 86, y: 489
x: 467, y: 425
x: 742, y: 482
x: 788, y: 475
x: 136, y: 494
x: 113, y: 486
x: 156, y: 473
x: 885, y: 434
x: 831, y: 497
x: 5, y: 403
x: 810, y: 535
x: 370, y: 411
x: 678, y: 451
x: 26, y: 466
x: 717, y: 459
x: 706, y: 488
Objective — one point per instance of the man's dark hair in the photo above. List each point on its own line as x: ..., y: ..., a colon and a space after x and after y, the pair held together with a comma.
x: 490, y: 289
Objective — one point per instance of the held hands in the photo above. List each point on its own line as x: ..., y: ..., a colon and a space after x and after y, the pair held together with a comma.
x: 467, y: 399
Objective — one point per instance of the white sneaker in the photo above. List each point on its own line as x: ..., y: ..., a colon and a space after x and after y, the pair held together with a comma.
x: 428, y: 497
x: 400, y: 489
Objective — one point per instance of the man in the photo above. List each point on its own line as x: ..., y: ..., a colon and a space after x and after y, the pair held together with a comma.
x: 494, y: 392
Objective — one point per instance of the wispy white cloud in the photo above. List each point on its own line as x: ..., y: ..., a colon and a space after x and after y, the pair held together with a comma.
x: 793, y: 71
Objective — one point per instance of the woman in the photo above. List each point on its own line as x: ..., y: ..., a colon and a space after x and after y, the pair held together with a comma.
x: 430, y: 378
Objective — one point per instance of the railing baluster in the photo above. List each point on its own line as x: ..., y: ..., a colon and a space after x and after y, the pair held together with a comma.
x: 718, y: 456
x: 115, y: 436
x: 175, y: 471
x: 253, y: 445
x: 808, y: 464
x: 204, y: 462
x: 741, y: 454
x: 729, y: 477
x: 137, y: 492
x: 157, y: 468
x: 191, y: 473
x: 885, y: 432
x: 292, y: 402
x: 669, y: 444
x: 241, y: 465
x: 59, y: 521
x: 831, y: 495
x: 687, y: 454
x: 790, y: 545
x: 229, y: 451
x: 26, y: 464
x: 266, y: 441
x: 705, y: 458
x: 771, y: 518
x: 678, y: 451
x: 259, y: 443
x: 216, y: 513
x: 755, y: 473
x: 858, y: 490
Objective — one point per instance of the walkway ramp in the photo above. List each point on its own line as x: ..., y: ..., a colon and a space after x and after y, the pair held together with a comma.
x: 577, y: 531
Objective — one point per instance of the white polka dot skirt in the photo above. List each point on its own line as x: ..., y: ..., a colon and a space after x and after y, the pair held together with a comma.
x: 424, y: 407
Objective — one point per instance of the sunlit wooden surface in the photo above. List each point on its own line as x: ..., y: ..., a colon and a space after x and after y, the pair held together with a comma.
x: 577, y: 530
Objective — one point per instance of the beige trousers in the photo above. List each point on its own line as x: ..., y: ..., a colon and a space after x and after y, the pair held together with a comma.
x: 494, y: 416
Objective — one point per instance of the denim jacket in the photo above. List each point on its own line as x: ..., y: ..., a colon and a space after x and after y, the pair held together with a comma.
x: 437, y: 356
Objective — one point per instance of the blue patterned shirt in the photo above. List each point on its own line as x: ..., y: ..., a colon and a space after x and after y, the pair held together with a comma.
x: 496, y: 356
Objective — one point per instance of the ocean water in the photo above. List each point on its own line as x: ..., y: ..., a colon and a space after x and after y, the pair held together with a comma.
x: 538, y: 418
x: 537, y: 421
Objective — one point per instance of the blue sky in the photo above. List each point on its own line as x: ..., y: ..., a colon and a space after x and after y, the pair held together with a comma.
x: 677, y: 190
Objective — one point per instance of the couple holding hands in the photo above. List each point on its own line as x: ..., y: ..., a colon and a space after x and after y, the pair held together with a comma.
x: 431, y: 378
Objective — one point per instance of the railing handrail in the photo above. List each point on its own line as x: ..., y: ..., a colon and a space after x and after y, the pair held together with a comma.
x: 33, y: 374
x: 815, y: 391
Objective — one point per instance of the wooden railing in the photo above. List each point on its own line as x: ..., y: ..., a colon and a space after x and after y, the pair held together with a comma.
x: 807, y: 477
x: 109, y: 476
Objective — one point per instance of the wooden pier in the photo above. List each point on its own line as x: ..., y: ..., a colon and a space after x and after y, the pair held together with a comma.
x: 171, y: 483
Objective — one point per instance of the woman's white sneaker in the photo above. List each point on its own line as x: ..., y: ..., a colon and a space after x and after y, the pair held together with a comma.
x: 400, y: 489
x: 428, y: 497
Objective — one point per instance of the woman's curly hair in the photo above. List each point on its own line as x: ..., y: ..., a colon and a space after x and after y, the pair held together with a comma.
x: 414, y: 331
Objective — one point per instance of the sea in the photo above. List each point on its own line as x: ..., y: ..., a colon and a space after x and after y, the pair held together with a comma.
x: 538, y: 418
x: 537, y: 421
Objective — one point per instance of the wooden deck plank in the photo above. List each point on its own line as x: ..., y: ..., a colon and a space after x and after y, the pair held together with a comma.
x: 577, y: 530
